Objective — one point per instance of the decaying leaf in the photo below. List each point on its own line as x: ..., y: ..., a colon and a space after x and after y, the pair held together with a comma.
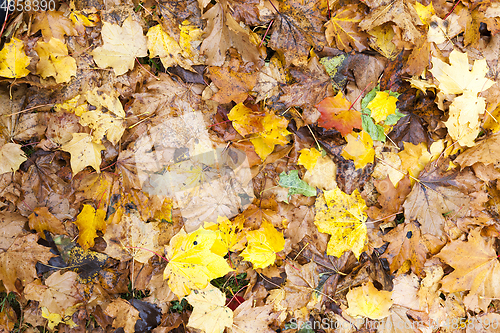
x: 343, y: 29
x: 89, y: 221
x: 12, y: 157
x: 55, y: 61
x: 84, y: 152
x: 13, y: 60
x: 209, y: 311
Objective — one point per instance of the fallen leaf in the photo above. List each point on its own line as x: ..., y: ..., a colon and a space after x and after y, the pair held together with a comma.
x: 55, y: 61
x: 124, y: 315
x: 191, y: 264
x: 405, y: 245
x: 132, y: 238
x: 382, y: 105
x: 233, y: 86
x: 323, y: 175
x: 275, y: 133
x: 342, y: 216
x: 296, y: 185
x: 359, y: 149
x: 297, y: 27
x: 476, y: 270
x: 301, y: 285
x: 250, y: 319
x: 403, y: 14
x: 57, y: 294
x: 209, y: 311
x: 381, y: 40
x: 88, y: 222
x: 12, y: 225
x: 84, y: 152
x: 55, y: 319
x: 336, y: 113
x: 343, y: 28
x: 53, y: 24
x: 390, y: 199
x: 230, y: 235
x: 13, y: 59
x: 369, y: 302
x: 23, y: 250
x: 121, y: 46
x: 12, y: 157
x: 42, y: 220
x: 263, y: 244
x: 308, y: 158
x: 485, y: 152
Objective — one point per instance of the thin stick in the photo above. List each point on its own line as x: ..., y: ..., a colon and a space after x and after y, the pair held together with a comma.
x: 157, y: 78
x: 35, y: 107
x: 451, y: 11
x: 268, y: 27
x: 141, y: 248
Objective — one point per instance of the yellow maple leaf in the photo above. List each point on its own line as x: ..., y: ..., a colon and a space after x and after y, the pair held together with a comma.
x: 72, y: 105
x: 275, y: 133
x: 84, y: 152
x: 88, y: 222
x: 81, y: 20
x: 455, y: 78
x: 414, y: 158
x: 382, y: 106
x: 245, y: 120
x: 109, y: 101
x: 103, y: 124
x: 13, y: 60
x: 168, y: 49
x: 342, y: 216
x: 55, y: 319
x: 263, y: 244
x: 359, y: 149
x: 191, y: 264
x: 189, y: 39
x: 308, y: 158
x: 209, y: 311
x: 229, y: 235
x: 388, y: 164
x: 367, y: 301
x: 121, y: 45
x: 424, y: 12
x: 55, y: 61
x: 12, y: 156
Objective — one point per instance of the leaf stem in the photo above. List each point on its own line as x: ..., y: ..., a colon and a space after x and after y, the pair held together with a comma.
x: 141, y: 248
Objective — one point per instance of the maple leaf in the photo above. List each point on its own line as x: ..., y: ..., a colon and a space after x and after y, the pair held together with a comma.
x: 301, y: 284
x: 223, y: 32
x: 296, y: 185
x: 121, y: 45
x: 263, y: 244
x: 234, y: 86
x: 55, y: 61
x: 12, y: 157
x: 323, y: 175
x: 342, y: 216
x: 82, y: 20
x: 245, y: 120
x: 336, y: 113
x: 369, y: 302
x: 405, y: 245
x: 390, y: 199
x: 57, y: 294
x: 431, y: 197
x: 209, y: 311
x: 381, y: 40
x: 41, y: 219
x: 249, y: 319
x: 382, y: 105
x: 456, y: 77
x: 400, y: 12
x: 308, y: 158
x: 55, y: 319
x: 297, y: 27
x: 53, y: 24
x: 13, y: 59
x: 191, y: 264
x: 124, y: 314
x: 88, y: 222
x: 476, y: 270
x: 169, y: 50
x: 269, y: 79
x: 126, y: 238
x: 343, y: 28
x: 23, y: 250
x: 275, y: 133
x: 230, y: 235
x: 359, y: 149
x: 485, y: 152
x: 84, y: 152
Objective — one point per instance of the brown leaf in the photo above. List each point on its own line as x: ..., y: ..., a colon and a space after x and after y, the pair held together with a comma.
x: 174, y: 12
x: 419, y: 58
x: 41, y: 219
x: 58, y: 293
x: 24, y: 250
x: 432, y: 196
x: 234, y: 86
x: 12, y: 225
x: 390, y: 199
x: 486, y: 152
x: 404, y: 244
x: 297, y: 27
x: 124, y: 314
x: 53, y: 24
x: 251, y: 319
x: 342, y: 30
x: 400, y: 12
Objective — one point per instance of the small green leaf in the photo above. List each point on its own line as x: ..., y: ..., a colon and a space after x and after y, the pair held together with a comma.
x: 296, y: 185
x: 392, y: 119
x: 367, y: 99
x: 376, y: 131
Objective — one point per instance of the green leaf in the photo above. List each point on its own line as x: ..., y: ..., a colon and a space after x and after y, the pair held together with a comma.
x: 296, y: 185
x: 392, y: 119
x: 367, y: 99
x: 376, y: 131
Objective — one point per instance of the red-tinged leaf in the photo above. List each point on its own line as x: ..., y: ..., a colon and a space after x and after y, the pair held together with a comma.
x: 335, y: 113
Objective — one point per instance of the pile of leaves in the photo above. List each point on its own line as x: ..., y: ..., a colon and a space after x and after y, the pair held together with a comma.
x: 250, y: 166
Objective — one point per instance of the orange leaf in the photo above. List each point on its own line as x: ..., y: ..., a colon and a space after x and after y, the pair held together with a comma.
x: 335, y: 113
